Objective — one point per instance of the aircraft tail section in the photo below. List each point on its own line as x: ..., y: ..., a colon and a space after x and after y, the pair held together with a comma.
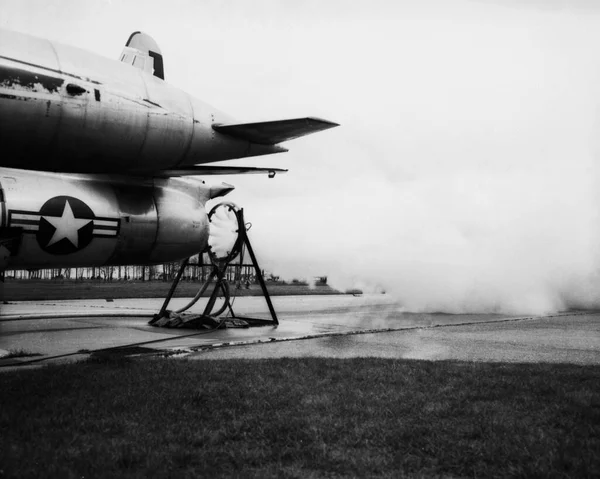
x: 273, y: 132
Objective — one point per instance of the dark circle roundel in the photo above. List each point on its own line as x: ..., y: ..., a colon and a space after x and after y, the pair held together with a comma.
x: 66, y: 225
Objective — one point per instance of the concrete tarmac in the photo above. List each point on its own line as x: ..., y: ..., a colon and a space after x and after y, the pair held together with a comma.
x: 568, y: 338
x: 332, y: 326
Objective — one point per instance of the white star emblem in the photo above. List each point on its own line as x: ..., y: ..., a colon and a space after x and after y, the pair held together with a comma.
x: 67, y: 226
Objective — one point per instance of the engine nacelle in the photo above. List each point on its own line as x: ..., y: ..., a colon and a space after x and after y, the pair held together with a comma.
x: 96, y: 220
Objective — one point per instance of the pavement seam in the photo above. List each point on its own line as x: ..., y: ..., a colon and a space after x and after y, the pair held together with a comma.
x: 210, y: 347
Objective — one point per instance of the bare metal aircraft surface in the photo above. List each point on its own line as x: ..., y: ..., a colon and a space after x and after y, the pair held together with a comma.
x: 96, y: 155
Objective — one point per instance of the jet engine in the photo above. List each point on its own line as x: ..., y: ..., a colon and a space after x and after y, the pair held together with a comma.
x: 70, y: 220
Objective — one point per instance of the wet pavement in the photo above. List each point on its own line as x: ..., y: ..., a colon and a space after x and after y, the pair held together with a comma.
x: 568, y: 338
x: 333, y: 326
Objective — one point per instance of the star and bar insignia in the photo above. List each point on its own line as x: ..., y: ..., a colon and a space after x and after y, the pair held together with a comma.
x: 64, y: 225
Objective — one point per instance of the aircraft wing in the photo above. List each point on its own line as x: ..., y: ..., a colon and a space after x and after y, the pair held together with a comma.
x: 200, y: 170
x: 273, y: 132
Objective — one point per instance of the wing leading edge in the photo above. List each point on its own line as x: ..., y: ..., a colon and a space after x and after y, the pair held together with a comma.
x: 273, y: 132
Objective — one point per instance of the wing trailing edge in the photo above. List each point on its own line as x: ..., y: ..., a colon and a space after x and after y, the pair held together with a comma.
x: 273, y: 132
x: 201, y: 170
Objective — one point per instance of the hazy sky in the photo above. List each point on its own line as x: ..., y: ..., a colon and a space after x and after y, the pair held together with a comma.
x: 464, y: 176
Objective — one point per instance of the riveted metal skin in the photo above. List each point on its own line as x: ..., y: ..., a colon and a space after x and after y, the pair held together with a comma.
x: 70, y: 220
x: 90, y: 114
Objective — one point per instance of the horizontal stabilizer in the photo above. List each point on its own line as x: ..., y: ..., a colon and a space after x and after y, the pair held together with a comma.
x: 273, y: 132
x: 201, y: 170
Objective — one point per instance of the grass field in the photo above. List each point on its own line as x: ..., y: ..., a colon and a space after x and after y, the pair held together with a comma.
x: 30, y: 290
x: 300, y: 418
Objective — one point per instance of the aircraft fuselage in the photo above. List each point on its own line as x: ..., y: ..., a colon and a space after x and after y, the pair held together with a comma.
x: 66, y: 109
x: 93, y: 150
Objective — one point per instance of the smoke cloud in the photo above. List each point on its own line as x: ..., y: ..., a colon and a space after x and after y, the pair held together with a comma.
x: 464, y: 176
